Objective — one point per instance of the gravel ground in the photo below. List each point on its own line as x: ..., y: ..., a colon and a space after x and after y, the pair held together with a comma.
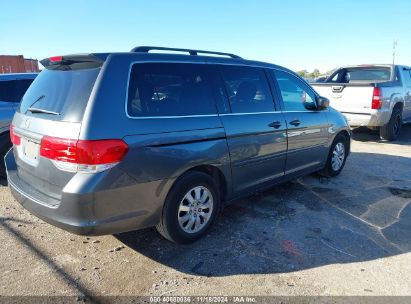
x: 348, y: 235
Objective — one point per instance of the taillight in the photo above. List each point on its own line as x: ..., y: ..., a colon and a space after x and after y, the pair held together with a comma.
x: 376, y: 99
x: 87, y: 156
x: 15, y: 139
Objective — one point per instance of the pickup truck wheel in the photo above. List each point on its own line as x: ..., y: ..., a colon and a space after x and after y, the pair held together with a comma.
x: 336, y: 157
x: 392, y: 129
x: 190, y: 208
x: 5, y: 145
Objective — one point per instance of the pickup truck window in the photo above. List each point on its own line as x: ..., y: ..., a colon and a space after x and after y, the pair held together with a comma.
x: 362, y: 74
x: 295, y: 94
x: 407, y: 77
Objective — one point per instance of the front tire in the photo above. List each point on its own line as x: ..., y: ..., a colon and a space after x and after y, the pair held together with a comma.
x: 190, y: 208
x: 337, y: 156
x: 392, y: 129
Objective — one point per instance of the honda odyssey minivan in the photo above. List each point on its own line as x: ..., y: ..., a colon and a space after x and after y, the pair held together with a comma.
x: 113, y: 142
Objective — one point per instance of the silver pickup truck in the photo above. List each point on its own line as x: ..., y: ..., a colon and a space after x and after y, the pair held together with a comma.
x: 373, y: 96
x: 12, y: 89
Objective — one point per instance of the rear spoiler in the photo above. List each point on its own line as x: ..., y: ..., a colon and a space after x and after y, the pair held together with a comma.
x: 74, y: 62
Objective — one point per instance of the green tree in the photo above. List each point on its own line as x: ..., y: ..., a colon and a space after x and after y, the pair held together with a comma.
x: 302, y: 73
x: 316, y: 73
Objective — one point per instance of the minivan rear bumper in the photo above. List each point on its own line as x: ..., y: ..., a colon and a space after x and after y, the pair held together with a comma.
x: 93, y: 212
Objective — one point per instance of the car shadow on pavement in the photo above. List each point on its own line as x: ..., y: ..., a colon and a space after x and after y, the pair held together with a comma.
x: 85, y: 293
x: 366, y: 135
x: 363, y: 214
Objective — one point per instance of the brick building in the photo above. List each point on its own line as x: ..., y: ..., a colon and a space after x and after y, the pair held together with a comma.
x: 17, y: 64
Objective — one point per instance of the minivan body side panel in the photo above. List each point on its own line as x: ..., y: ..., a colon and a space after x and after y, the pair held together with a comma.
x: 307, y: 143
x: 154, y: 157
x: 258, y: 151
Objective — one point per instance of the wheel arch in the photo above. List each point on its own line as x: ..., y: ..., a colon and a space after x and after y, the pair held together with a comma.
x: 399, y: 105
x: 347, y: 135
x: 215, y: 173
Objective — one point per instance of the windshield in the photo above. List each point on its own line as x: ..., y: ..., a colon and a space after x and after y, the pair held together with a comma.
x: 63, y: 92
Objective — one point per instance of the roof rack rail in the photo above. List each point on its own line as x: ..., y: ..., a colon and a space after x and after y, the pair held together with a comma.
x: 146, y: 49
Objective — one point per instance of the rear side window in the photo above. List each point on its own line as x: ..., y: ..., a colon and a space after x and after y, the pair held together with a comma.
x: 65, y: 92
x: 247, y: 89
x: 166, y: 89
x: 13, y: 90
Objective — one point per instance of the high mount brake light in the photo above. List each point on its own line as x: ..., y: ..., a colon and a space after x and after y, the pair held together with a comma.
x: 56, y: 58
x: 87, y: 156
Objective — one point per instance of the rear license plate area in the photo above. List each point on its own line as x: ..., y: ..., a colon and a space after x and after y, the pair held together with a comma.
x: 30, y: 149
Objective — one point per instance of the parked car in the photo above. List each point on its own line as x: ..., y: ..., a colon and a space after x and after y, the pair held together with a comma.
x: 12, y: 89
x: 107, y: 143
x: 373, y: 96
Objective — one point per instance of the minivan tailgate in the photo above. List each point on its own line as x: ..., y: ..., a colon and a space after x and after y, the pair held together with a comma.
x: 38, y: 172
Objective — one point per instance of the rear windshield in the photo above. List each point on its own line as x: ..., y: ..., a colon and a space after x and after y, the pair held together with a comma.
x: 374, y: 74
x: 362, y: 74
x: 63, y: 94
x: 13, y: 90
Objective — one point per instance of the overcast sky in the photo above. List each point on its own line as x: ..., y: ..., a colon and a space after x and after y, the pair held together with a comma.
x: 296, y: 34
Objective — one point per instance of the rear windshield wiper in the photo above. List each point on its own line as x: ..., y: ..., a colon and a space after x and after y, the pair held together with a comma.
x: 37, y: 100
x: 36, y: 110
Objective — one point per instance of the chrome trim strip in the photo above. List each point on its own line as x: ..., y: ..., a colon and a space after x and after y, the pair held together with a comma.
x: 250, y: 113
x: 168, y: 117
x: 30, y: 135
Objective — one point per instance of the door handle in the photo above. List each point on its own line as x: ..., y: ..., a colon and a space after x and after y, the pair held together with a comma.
x: 295, y: 122
x: 275, y: 124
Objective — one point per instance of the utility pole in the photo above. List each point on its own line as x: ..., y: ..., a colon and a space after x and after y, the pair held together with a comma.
x: 394, y: 46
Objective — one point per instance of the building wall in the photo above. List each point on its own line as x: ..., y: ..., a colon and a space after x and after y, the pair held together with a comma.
x: 31, y: 65
x: 17, y: 64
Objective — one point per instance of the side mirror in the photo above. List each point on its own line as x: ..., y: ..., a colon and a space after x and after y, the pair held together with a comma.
x: 322, y: 103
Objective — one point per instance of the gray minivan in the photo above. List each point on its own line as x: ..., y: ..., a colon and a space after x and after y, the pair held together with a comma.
x: 113, y: 142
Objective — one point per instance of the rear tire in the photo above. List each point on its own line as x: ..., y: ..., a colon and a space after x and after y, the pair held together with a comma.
x: 190, y: 208
x: 337, y: 156
x: 5, y: 145
x: 392, y: 129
